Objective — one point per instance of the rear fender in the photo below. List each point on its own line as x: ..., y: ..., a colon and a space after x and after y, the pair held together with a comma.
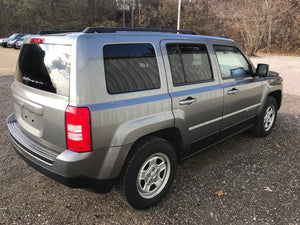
x: 135, y: 129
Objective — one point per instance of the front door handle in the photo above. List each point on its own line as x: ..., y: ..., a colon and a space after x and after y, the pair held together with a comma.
x: 232, y: 91
x: 187, y: 101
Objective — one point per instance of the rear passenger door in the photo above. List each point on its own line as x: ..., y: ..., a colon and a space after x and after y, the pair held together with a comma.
x: 242, y: 90
x: 197, y: 97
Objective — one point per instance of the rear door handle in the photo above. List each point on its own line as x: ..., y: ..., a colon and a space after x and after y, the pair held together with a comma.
x: 187, y: 101
x: 232, y: 91
x: 31, y: 106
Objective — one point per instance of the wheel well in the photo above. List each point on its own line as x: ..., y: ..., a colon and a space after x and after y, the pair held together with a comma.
x: 278, y: 96
x: 172, y: 135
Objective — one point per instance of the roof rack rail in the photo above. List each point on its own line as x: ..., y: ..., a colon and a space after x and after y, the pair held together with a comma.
x: 56, y: 31
x: 138, y: 29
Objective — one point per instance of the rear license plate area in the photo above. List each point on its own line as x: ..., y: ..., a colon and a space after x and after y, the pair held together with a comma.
x: 30, y: 118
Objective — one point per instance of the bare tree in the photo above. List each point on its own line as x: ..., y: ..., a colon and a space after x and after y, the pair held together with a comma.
x: 246, y: 19
x: 268, y: 25
x: 4, y: 19
x: 132, y: 6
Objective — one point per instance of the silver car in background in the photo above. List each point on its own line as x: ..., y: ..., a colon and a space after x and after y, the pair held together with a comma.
x: 11, y: 41
x: 19, y: 43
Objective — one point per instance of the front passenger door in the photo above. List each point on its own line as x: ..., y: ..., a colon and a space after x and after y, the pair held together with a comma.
x: 242, y: 91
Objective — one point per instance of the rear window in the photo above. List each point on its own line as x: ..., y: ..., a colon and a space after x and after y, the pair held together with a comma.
x: 189, y: 63
x: 45, y: 67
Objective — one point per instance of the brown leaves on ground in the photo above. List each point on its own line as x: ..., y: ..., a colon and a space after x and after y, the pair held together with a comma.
x: 277, y: 146
x: 219, y: 193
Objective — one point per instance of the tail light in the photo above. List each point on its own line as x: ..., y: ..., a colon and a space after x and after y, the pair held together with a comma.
x: 37, y: 40
x: 11, y: 87
x: 78, y: 129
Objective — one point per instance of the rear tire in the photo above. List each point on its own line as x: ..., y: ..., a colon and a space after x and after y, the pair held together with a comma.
x: 267, y: 118
x: 149, y: 173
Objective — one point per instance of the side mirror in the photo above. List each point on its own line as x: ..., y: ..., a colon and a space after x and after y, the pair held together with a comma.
x: 262, y: 70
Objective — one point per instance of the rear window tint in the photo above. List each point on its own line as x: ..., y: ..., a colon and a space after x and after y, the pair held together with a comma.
x: 45, y: 67
x: 130, y: 67
x: 189, y: 63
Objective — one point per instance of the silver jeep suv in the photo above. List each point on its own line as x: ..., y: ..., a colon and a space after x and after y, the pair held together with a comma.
x: 123, y: 106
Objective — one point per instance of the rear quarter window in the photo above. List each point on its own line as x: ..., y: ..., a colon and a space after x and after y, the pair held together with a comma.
x: 130, y: 67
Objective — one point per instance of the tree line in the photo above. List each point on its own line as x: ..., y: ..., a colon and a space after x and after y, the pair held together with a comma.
x: 258, y: 25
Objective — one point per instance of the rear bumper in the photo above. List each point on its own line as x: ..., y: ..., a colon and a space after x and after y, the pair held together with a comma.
x: 100, y: 185
x: 88, y: 169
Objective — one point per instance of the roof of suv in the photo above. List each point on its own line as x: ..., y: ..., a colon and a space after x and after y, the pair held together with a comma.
x: 142, y: 32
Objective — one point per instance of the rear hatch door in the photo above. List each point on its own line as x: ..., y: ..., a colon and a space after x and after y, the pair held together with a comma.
x: 41, y: 91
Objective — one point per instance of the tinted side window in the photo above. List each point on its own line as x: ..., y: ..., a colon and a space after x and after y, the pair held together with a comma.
x: 130, y: 67
x: 189, y: 63
x: 232, y: 62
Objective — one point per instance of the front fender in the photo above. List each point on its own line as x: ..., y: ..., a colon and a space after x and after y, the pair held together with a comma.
x: 271, y: 85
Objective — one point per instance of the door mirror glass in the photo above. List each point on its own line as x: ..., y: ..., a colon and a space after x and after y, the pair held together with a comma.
x: 262, y: 70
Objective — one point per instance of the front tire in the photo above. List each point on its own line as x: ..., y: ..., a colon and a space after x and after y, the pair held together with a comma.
x: 149, y: 173
x: 267, y: 118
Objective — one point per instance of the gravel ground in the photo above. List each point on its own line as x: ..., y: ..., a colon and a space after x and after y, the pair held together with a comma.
x: 259, y: 178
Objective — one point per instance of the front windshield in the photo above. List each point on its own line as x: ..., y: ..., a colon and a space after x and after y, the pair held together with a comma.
x: 12, y: 36
x: 19, y: 36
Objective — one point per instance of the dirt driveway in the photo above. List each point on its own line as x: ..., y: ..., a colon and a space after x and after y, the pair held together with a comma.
x: 288, y: 67
x: 8, y: 60
x: 259, y: 177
